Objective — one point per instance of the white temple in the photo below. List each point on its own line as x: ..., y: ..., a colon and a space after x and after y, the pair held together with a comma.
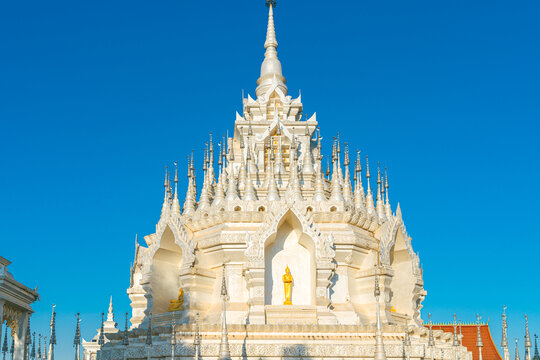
x: 266, y: 204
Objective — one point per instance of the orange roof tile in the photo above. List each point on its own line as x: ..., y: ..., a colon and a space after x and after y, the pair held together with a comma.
x: 489, y: 351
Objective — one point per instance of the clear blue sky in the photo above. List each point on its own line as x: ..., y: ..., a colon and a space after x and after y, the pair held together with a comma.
x: 97, y: 97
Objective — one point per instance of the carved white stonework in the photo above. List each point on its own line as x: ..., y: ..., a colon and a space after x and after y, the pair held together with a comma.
x: 267, y: 205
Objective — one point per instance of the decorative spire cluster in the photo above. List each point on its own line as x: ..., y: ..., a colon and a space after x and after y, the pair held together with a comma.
x: 280, y: 167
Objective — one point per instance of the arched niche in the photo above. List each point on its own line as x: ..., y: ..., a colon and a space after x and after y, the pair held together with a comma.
x: 289, y: 246
x: 164, y: 280
x: 404, y: 280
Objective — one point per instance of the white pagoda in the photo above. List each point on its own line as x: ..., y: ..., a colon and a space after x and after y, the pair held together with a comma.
x: 273, y: 257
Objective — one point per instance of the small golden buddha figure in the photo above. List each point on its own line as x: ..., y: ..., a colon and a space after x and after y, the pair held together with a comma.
x: 287, y: 283
x: 175, y: 305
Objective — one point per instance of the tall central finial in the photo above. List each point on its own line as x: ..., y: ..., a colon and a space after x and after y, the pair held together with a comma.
x: 271, y: 74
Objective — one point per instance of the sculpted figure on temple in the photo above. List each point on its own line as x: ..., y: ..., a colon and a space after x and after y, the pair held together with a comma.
x: 287, y: 282
x: 175, y: 305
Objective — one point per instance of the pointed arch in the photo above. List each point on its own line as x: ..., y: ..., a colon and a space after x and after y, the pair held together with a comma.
x: 289, y: 246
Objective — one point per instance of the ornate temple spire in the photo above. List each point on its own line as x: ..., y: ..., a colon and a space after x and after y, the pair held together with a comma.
x: 504, y: 340
x: 224, y: 352
x: 479, y: 342
x: 536, y: 354
x: 347, y: 187
x: 77, y: 339
x: 45, y: 355
x: 387, y: 207
x: 380, y: 205
x: 220, y: 186
x: 528, y: 343
x: 193, y: 179
x: 369, y: 196
x: 271, y: 73
x: 338, y: 154
x: 39, y: 354
x: 176, y: 203
x: 211, y: 172
x: 380, y: 353
x: 52, y: 338
x: 249, y: 190
x: 189, y: 204
x: 110, y: 325
x: 165, y: 206
x: 319, y: 194
x: 516, y: 357
x: 125, y: 338
x: 359, y: 196
x: 206, y: 192
x: 33, y: 353
x: 336, y: 194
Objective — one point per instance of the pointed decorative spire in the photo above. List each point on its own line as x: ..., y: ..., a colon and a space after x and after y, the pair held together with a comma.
x: 52, y: 338
x: 249, y: 191
x: 387, y: 207
x: 211, y: 173
x: 380, y: 205
x: 189, y: 204
x: 369, y: 196
x: 528, y: 343
x: 504, y: 340
x: 271, y: 73
x: 359, y: 196
x: 220, y: 186
x: 347, y: 187
x: 39, y: 354
x: 45, y: 355
x: 165, y: 206
x: 479, y: 342
x: 319, y: 194
x: 336, y: 194
x: 224, y: 352
x: 176, y: 203
x: 77, y: 339
x: 380, y: 353
x: 517, y: 350
x: 536, y: 354
x: 33, y: 353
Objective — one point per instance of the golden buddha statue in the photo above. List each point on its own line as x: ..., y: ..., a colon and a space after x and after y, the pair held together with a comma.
x: 287, y: 283
x: 175, y: 305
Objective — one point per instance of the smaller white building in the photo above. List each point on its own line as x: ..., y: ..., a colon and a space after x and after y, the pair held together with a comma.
x: 15, y: 309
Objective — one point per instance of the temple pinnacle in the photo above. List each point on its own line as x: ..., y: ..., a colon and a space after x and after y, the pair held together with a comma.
x: 271, y: 73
